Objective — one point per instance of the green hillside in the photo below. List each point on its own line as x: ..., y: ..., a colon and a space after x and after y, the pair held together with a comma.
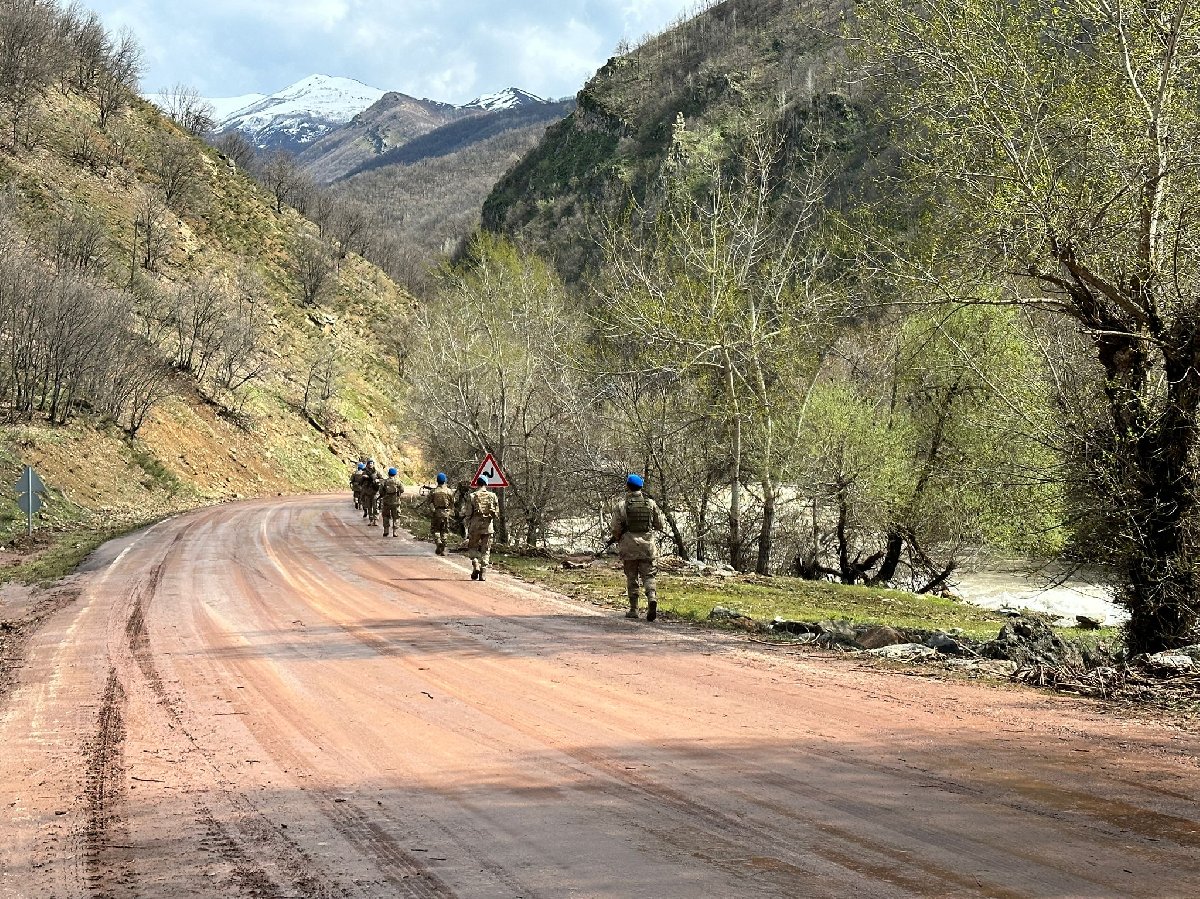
x: 738, y: 63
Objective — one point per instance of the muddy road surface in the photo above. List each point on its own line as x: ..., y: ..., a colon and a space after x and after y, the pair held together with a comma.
x: 271, y: 700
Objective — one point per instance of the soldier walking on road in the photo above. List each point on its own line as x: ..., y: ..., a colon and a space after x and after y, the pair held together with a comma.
x: 483, y: 508
x: 441, y: 502
x: 356, y: 480
x: 370, y: 494
x: 634, y: 519
x: 390, y: 492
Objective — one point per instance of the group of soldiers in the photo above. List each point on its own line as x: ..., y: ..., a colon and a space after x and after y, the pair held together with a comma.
x: 375, y: 494
x: 472, y: 509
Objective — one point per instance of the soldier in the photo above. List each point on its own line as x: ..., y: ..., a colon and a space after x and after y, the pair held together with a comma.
x: 370, y: 494
x: 484, y: 507
x: 462, y: 507
x: 441, y: 502
x: 390, y: 492
x: 634, y: 520
x: 356, y: 484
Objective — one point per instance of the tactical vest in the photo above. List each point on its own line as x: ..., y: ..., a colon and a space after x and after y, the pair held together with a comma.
x: 441, y: 499
x: 639, y: 517
x: 483, y: 504
x: 392, y: 488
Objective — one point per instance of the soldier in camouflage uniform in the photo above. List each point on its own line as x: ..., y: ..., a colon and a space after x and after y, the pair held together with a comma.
x: 369, y: 494
x: 633, y: 523
x: 356, y: 484
x: 484, y: 507
x: 462, y: 507
x: 390, y: 492
x: 441, y: 503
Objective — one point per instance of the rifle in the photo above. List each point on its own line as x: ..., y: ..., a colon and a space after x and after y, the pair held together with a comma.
x: 615, y: 538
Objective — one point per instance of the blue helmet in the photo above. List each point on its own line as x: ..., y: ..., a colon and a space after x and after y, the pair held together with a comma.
x: 441, y: 478
x: 362, y: 465
x: 392, y: 472
x: 634, y: 482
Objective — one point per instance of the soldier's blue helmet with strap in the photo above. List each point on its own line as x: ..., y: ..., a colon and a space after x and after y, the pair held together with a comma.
x: 362, y: 465
x: 392, y: 472
x: 441, y: 478
x: 634, y: 482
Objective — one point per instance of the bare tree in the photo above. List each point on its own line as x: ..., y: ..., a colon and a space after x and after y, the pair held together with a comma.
x: 281, y: 176
x: 312, y: 267
x: 116, y: 83
x: 187, y: 109
x: 174, y: 160
x: 28, y: 61
x: 237, y: 150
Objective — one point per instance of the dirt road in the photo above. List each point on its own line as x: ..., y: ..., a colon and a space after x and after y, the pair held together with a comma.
x: 269, y: 699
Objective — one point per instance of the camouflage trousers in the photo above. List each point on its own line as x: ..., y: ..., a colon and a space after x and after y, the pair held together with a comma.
x: 439, y: 526
x: 391, y: 514
x: 479, y: 551
x: 645, y: 570
x: 370, y: 506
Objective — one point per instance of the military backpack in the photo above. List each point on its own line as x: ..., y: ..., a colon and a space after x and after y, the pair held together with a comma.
x: 639, y: 516
x: 483, y: 505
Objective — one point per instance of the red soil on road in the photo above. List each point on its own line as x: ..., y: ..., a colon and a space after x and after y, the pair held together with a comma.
x: 270, y: 699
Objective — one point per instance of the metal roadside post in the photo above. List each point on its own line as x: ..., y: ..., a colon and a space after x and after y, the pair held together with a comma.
x: 29, y: 494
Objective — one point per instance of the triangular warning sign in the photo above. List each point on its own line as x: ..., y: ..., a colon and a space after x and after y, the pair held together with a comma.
x: 490, y: 472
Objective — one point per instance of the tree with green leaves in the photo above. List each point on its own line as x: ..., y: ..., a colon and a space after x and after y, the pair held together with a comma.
x: 1058, y: 147
x: 493, y: 367
x: 717, y: 287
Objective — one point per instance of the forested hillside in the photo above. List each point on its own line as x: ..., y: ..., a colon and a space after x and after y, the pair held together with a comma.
x: 428, y: 193
x: 171, y: 334
x: 776, y: 62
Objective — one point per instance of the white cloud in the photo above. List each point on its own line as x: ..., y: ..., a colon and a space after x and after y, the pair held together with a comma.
x: 445, y: 50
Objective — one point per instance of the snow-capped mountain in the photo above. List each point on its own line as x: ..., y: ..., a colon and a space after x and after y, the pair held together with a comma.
x: 224, y: 107
x: 305, y: 114
x: 301, y: 113
x: 509, y: 98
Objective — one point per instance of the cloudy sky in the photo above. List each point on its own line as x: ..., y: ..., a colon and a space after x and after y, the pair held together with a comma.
x: 451, y: 50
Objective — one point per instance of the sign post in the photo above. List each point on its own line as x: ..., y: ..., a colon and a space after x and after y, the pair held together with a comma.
x: 489, y: 472
x: 29, y: 494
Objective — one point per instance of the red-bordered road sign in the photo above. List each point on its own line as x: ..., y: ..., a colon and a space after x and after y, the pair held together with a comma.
x: 490, y: 472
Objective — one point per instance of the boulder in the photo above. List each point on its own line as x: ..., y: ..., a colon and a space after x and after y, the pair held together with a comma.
x: 795, y: 627
x: 1192, y: 652
x: 1088, y: 623
x: 720, y: 613
x: 1169, y: 663
x: 903, y: 652
x: 876, y: 636
x: 1028, y: 641
x: 945, y: 644
x: 838, y: 633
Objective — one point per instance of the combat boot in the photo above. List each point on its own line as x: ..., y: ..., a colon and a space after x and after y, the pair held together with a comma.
x: 481, y: 573
x: 475, y: 574
x: 651, y: 609
x: 632, y: 613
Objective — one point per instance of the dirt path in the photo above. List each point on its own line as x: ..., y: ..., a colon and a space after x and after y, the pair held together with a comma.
x: 271, y: 700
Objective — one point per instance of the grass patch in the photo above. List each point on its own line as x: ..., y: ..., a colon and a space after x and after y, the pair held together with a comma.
x: 65, y: 553
x: 692, y: 598
x: 159, y: 475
